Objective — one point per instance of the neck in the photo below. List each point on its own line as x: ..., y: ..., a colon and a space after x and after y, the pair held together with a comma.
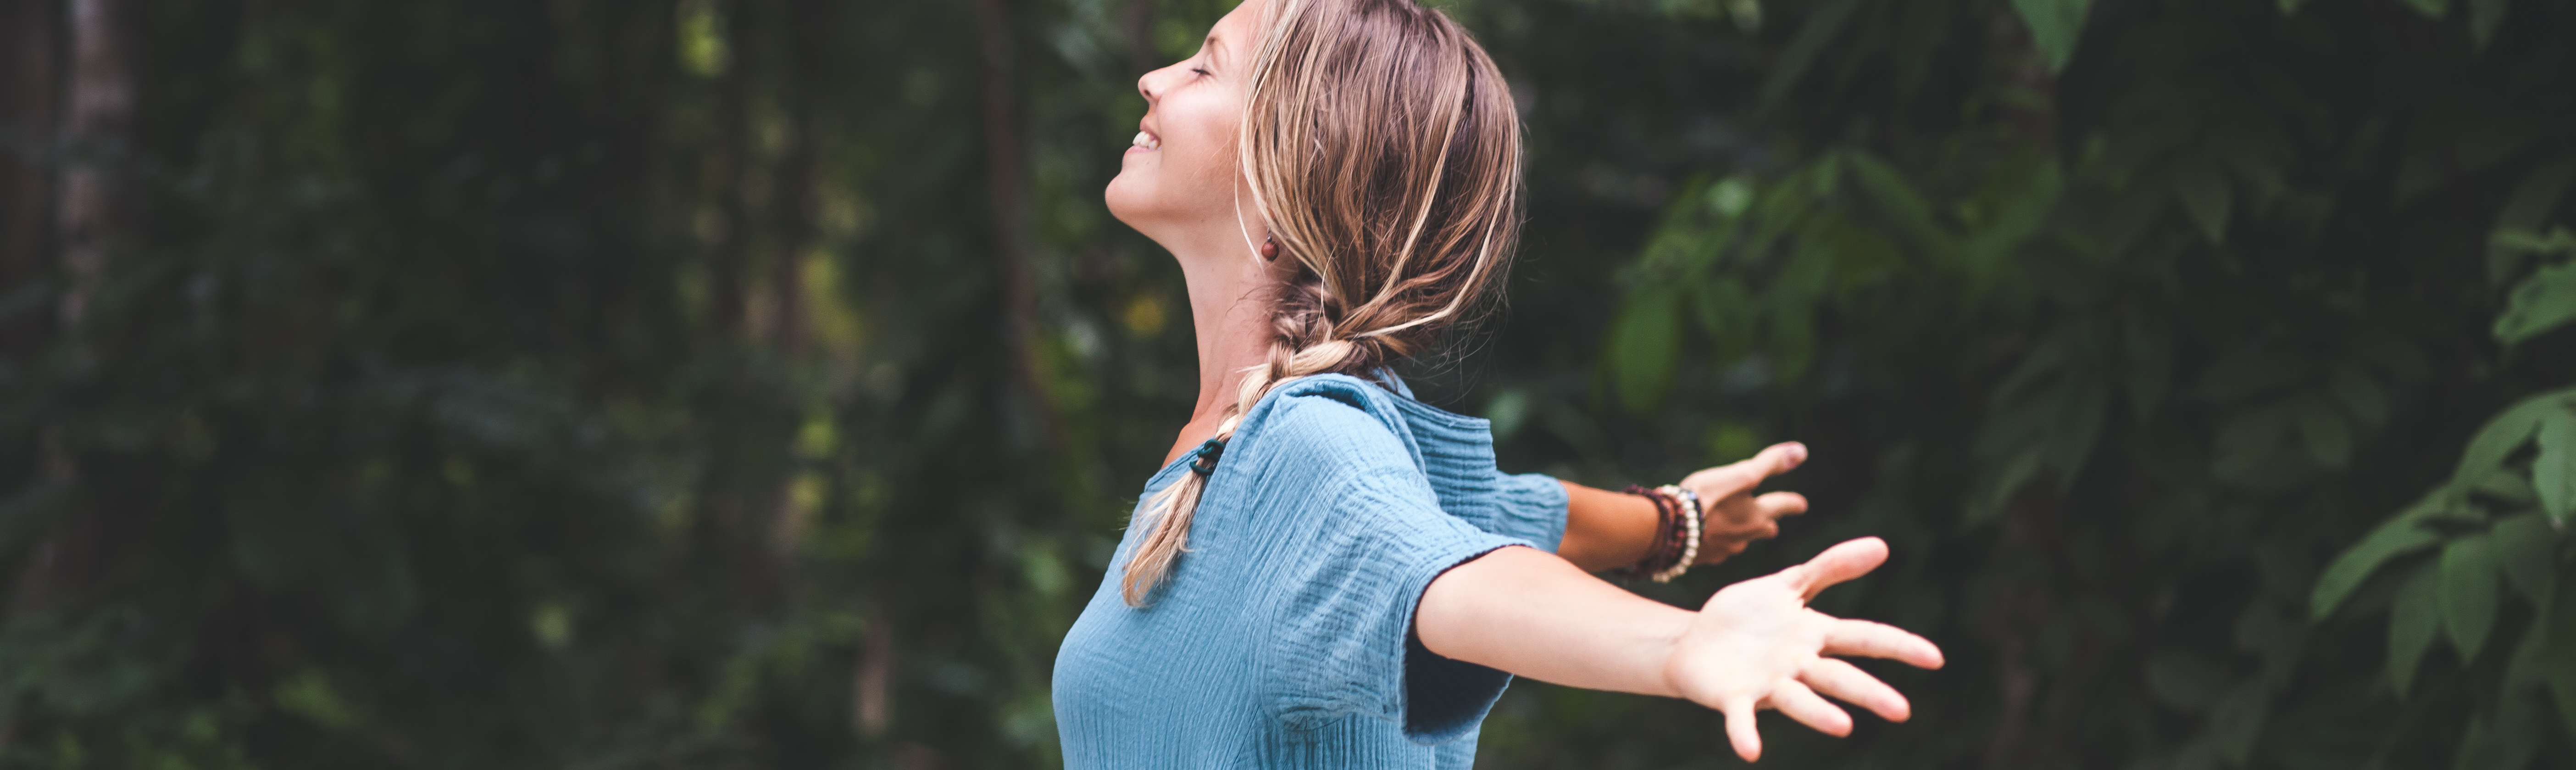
x: 1230, y: 311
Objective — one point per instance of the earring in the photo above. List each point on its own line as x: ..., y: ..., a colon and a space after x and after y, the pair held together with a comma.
x: 1269, y: 249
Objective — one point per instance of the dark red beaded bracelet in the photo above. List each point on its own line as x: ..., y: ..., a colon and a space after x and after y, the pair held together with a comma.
x: 1667, y: 546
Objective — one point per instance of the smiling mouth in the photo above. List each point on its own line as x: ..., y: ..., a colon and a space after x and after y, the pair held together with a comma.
x: 1147, y: 140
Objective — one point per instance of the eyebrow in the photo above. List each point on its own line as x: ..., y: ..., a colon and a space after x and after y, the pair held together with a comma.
x: 1215, y: 45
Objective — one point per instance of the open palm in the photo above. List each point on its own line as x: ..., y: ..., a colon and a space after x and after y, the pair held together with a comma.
x: 1756, y: 645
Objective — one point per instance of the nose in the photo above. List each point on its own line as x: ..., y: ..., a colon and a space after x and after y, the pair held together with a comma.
x: 1149, y: 83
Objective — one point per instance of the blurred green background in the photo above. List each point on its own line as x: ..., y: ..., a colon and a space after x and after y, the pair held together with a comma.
x: 761, y: 384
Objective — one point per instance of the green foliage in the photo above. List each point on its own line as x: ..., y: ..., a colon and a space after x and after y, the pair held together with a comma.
x: 2156, y: 310
x: 724, y: 383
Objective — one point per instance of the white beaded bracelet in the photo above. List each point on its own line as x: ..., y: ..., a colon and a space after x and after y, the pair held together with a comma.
x: 1689, y: 501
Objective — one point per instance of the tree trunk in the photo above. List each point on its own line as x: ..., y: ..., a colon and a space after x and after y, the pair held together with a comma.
x: 1139, y: 21
x: 29, y: 31
x: 733, y: 248
x: 1006, y: 187
x: 98, y: 108
x: 795, y: 197
x: 97, y: 113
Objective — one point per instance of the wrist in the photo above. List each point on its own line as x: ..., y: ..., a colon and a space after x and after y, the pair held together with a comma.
x: 1675, y: 543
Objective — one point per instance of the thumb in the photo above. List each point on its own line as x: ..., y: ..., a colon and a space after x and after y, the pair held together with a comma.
x: 1846, y: 560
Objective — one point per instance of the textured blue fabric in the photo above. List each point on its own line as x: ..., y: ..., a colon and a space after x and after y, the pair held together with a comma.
x: 1283, y: 637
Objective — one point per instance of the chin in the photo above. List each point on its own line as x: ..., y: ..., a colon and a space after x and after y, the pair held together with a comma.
x: 1126, y: 201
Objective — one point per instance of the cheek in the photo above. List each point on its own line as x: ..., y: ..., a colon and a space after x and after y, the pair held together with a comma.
x: 1199, y: 170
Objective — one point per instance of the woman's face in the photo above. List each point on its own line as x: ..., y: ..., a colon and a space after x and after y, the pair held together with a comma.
x: 1179, y: 178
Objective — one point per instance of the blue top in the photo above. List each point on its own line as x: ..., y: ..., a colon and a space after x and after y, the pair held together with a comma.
x: 1284, y: 636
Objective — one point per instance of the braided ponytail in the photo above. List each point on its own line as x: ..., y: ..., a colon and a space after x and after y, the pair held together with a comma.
x: 1383, y: 146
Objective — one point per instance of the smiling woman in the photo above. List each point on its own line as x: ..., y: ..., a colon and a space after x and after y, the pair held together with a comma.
x: 1328, y: 573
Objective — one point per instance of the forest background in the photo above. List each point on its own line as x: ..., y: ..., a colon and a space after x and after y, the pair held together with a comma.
x: 761, y: 384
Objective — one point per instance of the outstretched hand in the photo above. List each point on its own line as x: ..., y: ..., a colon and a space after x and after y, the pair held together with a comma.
x: 1736, y: 516
x: 1756, y: 645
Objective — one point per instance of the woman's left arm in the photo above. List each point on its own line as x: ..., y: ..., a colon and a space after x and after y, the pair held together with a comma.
x: 1754, y: 645
x: 1606, y: 530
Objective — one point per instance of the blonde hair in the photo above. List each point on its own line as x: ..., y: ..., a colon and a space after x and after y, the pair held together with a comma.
x: 1382, y: 145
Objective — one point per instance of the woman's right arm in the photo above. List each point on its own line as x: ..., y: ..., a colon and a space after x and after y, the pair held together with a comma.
x: 1754, y: 645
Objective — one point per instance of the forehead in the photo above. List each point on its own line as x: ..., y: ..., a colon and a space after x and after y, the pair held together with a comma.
x: 1237, y: 25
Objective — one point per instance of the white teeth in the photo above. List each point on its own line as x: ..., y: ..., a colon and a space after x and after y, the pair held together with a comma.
x: 1147, y: 141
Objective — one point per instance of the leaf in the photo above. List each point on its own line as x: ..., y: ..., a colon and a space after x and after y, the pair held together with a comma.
x: 1731, y: 196
x: 2541, y: 303
x: 2081, y: 406
x: 2553, y: 473
x: 2430, y: 8
x: 2526, y: 549
x: 1792, y: 342
x: 2412, y: 621
x: 2251, y: 442
x: 2249, y: 372
x: 2360, y: 395
x: 2000, y: 483
x: 2496, y: 440
x: 2506, y: 491
x: 2264, y: 629
x: 2484, y: 17
x: 2468, y: 594
x: 2558, y: 664
x: 1904, y: 206
x: 1819, y: 30
x: 2206, y: 197
x: 2397, y: 537
x: 1646, y: 347
x: 1508, y: 410
x: 2525, y: 210
x: 2183, y: 680
x: 2238, y: 720
x: 2501, y: 739
x: 2525, y: 667
x: 2055, y: 26
x: 2324, y: 433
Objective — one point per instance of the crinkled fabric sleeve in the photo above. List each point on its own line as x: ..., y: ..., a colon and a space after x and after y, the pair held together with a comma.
x: 1345, y: 643
x: 1529, y: 506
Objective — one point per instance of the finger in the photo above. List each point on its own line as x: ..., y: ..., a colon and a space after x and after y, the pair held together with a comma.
x: 1778, y: 504
x: 1740, y: 731
x: 1864, y: 639
x: 1847, y: 560
x: 1729, y: 480
x: 1847, y: 682
x: 1792, y: 454
x: 1810, y: 709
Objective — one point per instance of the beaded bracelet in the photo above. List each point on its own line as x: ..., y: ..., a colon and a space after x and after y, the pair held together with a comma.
x: 1676, y: 542
x: 1661, y: 547
x: 1688, y: 501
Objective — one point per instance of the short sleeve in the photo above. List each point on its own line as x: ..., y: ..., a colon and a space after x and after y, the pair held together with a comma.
x: 1346, y: 642
x: 1345, y: 596
x: 1530, y: 506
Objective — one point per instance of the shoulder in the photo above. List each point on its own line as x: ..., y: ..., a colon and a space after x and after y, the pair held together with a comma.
x: 1329, y: 420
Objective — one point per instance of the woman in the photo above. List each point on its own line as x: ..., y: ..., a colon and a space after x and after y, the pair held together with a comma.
x: 1327, y: 573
